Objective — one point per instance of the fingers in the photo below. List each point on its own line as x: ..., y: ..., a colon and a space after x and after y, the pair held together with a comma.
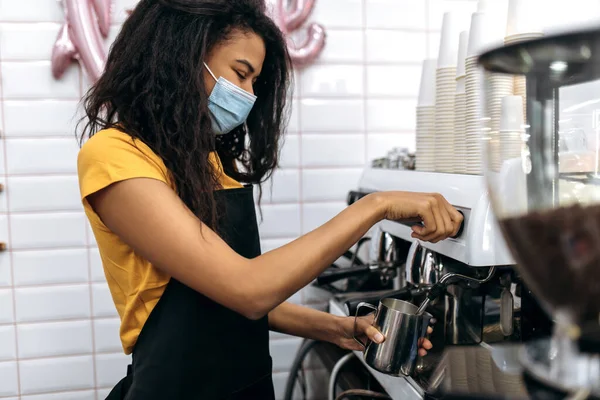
x: 374, y: 335
x: 367, y: 329
x: 429, y: 330
x: 424, y: 345
x: 427, y: 344
x: 440, y: 219
x: 456, y: 218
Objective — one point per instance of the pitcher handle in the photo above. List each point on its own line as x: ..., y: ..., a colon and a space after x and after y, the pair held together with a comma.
x: 360, y: 305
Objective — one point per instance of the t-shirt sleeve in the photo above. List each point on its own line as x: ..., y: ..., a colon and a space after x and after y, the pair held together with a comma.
x: 108, y: 158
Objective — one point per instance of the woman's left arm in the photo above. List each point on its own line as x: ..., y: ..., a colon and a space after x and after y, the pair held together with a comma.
x: 296, y: 320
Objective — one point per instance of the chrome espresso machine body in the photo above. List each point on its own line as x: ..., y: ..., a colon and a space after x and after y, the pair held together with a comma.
x: 488, y: 306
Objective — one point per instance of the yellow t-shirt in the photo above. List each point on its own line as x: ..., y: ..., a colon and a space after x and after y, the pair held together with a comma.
x: 136, y: 285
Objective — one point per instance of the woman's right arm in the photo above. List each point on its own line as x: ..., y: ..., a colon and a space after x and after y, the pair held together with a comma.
x: 147, y: 215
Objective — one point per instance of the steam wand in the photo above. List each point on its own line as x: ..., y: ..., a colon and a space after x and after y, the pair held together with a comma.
x: 437, y: 289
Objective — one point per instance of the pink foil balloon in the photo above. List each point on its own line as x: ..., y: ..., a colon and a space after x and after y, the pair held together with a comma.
x: 293, y: 16
x: 103, y: 10
x: 86, y: 21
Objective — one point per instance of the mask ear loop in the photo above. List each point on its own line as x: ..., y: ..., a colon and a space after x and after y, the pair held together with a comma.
x: 210, y: 72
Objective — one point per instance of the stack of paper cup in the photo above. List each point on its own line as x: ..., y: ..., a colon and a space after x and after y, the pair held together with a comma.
x: 445, y: 92
x: 523, y: 23
x: 485, y: 33
x: 511, y: 128
x: 460, y: 105
x: 498, y: 86
x: 425, y: 158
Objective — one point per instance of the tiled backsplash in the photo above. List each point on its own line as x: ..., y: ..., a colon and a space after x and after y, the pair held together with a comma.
x: 58, y: 326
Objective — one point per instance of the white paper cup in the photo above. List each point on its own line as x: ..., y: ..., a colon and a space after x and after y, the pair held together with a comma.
x: 463, y: 43
x: 485, y: 33
x: 427, y: 88
x: 524, y: 16
x: 452, y: 24
x: 512, y: 114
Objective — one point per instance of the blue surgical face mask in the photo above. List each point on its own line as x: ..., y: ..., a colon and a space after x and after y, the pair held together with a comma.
x: 229, y: 105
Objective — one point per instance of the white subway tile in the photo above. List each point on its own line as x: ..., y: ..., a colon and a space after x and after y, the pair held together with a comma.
x: 106, y: 335
x: 279, y: 220
x: 33, y: 79
x: 56, y: 374
x: 433, y: 44
x: 294, y: 118
x: 3, y: 193
x: 111, y: 368
x: 437, y: 8
x: 384, y: 80
x: 329, y: 184
x: 103, y: 393
x: 52, y: 117
x: 379, y: 144
x: 321, y: 115
x: 47, y: 230
x: 6, y: 307
x: 103, y: 302
x: 5, y: 268
x: 120, y: 8
x: 42, y: 267
x: 338, y: 13
x: 97, y: 271
x: 396, y: 14
x: 272, y: 244
x: 315, y: 215
x: 2, y: 158
x: 324, y: 150
x: 50, y: 303
x: 336, y: 80
x: 44, y: 193
x: 29, y: 41
x: 391, y: 115
x: 283, y: 352
x: 4, y: 232
x: 290, y: 152
x: 31, y: 10
x: 76, y: 395
x: 395, y: 46
x: 283, y: 187
x: 9, y: 384
x: 7, y: 343
x: 55, y: 339
x: 343, y: 45
x: 31, y: 156
x: 91, y: 239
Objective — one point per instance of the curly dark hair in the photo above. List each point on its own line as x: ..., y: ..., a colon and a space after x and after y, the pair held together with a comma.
x: 153, y: 89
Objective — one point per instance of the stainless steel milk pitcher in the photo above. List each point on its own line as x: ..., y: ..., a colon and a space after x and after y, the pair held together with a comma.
x: 403, y: 331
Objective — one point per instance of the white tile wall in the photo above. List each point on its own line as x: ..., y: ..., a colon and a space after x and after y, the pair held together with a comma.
x: 58, y: 327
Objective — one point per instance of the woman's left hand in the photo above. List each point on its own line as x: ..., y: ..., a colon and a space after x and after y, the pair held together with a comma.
x: 366, y: 331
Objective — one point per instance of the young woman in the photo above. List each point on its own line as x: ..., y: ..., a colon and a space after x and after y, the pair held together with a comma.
x: 191, y: 105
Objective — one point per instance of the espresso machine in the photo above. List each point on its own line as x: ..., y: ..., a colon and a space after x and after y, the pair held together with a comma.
x: 484, y: 301
x: 524, y: 327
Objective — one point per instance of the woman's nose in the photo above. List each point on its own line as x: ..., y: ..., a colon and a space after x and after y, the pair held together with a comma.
x: 248, y: 87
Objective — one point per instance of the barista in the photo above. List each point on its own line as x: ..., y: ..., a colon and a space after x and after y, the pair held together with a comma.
x: 187, y: 115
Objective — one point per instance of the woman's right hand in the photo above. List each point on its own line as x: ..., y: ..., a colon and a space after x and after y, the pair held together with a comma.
x: 440, y: 219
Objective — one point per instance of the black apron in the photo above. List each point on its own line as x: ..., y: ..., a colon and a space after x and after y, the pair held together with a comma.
x: 192, y: 348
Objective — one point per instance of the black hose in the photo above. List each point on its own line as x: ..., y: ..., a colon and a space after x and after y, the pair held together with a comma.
x: 305, y: 348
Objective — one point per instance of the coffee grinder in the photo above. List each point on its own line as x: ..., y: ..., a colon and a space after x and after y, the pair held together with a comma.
x: 547, y: 199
